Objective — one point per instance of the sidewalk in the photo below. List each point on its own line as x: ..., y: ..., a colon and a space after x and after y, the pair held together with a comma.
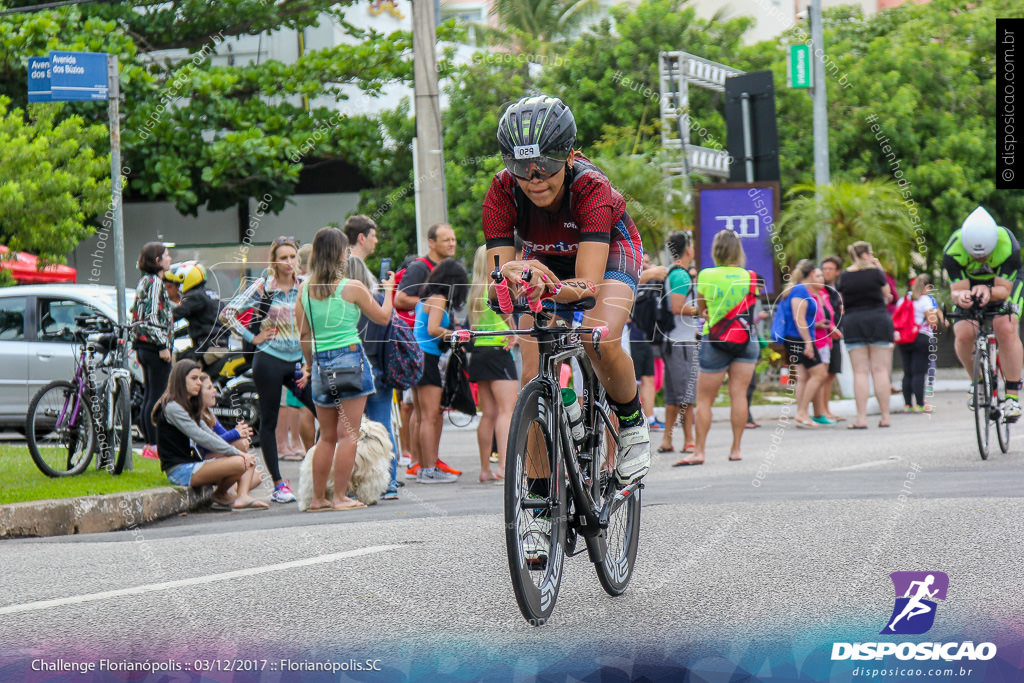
x: 95, y: 514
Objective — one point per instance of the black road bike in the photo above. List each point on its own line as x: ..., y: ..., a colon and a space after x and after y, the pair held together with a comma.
x: 579, y: 496
x: 988, y: 384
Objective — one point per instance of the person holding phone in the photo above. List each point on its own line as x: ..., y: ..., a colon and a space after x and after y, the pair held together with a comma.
x: 278, y: 351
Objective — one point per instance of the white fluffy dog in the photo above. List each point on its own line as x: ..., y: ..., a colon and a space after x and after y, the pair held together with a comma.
x: 371, y: 473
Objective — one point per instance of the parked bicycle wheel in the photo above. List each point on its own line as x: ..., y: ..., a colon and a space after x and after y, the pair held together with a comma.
x: 118, y: 426
x: 982, y: 400
x: 61, y: 439
x: 535, y: 519
x: 623, y: 533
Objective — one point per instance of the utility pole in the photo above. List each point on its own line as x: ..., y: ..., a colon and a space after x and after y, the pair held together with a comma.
x: 431, y: 198
x: 821, y: 172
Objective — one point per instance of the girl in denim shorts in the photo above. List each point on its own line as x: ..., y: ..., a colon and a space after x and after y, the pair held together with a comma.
x: 327, y: 315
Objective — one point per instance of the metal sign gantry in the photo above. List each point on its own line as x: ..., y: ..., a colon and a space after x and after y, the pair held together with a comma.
x: 677, y: 71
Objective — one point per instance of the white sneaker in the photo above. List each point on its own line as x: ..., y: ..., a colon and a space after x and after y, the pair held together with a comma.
x: 404, y: 461
x: 1011, y: 409
x: 432, y: 475
x: 537, y: 542
x: 634, y: 456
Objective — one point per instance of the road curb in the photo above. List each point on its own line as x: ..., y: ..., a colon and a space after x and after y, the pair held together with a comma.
x: 96, y: 514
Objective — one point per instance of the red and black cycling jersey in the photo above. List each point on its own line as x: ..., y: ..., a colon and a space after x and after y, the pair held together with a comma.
x: 591, y: 210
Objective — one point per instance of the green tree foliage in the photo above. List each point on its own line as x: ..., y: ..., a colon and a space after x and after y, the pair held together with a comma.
x: 848, y: 211
x: 52, y: 181
x: 609, y: 76
x: 199, y: 132
x: 911, y: 100
x: 542, y: 21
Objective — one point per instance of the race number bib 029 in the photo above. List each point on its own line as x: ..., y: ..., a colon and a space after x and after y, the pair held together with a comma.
x: 526, y: 151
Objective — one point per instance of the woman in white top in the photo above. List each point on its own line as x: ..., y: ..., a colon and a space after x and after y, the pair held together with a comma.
x: 915, y: 355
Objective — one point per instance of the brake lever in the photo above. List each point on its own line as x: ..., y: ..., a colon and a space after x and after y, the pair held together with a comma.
x: 501, y: 288
x: 460, y: 337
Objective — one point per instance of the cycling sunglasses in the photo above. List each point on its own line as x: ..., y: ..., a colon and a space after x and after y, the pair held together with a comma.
x: 527, y: 167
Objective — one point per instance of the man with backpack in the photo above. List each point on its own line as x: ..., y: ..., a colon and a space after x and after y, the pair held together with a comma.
x: 441, y: 245
x: 679, y: 350
x: 643, y: 328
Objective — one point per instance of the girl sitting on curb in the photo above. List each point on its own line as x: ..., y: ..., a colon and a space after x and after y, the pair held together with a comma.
x: 178, y: 425
x: 239, y: 436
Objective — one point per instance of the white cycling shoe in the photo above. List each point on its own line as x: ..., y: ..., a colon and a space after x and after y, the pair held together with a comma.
x: 634, y: 457
x: 1011, y: 409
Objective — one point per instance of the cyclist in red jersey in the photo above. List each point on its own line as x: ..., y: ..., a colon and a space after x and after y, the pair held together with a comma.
x: 578, y: 241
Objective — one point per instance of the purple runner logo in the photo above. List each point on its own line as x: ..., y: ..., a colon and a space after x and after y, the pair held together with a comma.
x: 914, y: 611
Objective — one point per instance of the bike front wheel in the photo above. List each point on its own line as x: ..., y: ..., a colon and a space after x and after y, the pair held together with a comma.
x: 535, y: 505
x: 61, y: 435
x: 118, y: 426
x: 982, y: 388
x: 623, y: 533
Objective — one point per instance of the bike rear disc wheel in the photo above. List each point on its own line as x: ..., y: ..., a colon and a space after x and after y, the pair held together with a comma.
x: 531, y: 440
x: 59, y: 447
x: 623, y: 533
x: 982, y: 402
x: 119, y: 433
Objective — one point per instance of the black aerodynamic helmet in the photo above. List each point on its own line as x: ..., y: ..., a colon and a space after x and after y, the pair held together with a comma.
x: 536, y: 134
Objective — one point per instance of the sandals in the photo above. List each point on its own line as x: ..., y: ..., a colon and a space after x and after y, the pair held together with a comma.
x: 666, y: 449
x: 293, y: 457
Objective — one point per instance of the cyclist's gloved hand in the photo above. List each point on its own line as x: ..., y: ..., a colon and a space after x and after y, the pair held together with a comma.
x: 982, y: 294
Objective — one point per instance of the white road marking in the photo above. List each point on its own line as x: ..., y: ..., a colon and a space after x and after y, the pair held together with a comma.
x: 195, y: 581
x: 873, y: 463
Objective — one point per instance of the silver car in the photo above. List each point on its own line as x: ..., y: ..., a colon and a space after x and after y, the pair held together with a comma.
x: 35, y: 347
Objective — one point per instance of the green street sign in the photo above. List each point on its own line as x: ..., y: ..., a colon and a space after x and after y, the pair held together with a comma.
x: 800, y: 72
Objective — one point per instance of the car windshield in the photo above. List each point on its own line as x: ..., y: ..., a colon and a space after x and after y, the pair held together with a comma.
x: 109, y: 297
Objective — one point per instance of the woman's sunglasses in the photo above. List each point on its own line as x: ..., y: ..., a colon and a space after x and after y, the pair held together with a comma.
x: 541, y: 167
x: 284, y: 240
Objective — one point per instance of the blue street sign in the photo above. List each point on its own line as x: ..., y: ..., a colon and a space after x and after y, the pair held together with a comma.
x: 39, y: 79
x: 78, y: 76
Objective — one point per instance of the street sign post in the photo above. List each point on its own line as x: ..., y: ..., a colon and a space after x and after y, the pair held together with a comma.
x: 78, y: 76
x: 801, y: 71
x: 39, y: 79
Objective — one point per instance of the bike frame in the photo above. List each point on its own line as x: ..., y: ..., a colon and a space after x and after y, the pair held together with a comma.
x: 557, y: 345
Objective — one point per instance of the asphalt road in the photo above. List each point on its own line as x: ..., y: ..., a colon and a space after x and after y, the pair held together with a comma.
x: 755, y: 566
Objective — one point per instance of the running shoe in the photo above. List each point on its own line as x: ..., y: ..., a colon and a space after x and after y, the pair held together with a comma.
x: 412, y: 471
x: 656, y: 425
x: 822, y: 420
x: 282, y: 493
x: 405, y: 460
x: 445, y: 467
x: 390, y: 494
x: 970, y: 399
x: 634, y: 457
x: 434, y: 475
x: 150, y: 452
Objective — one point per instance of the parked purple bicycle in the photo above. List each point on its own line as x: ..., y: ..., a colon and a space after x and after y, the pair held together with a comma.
x: 68, y: 422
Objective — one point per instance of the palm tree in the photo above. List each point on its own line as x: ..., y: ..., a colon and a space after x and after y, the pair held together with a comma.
x: 543, y: 21
x: 871, y: 210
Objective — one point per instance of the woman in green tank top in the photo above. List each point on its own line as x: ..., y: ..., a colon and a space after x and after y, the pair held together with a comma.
x: 327, y: 314
x: 492, y: 367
